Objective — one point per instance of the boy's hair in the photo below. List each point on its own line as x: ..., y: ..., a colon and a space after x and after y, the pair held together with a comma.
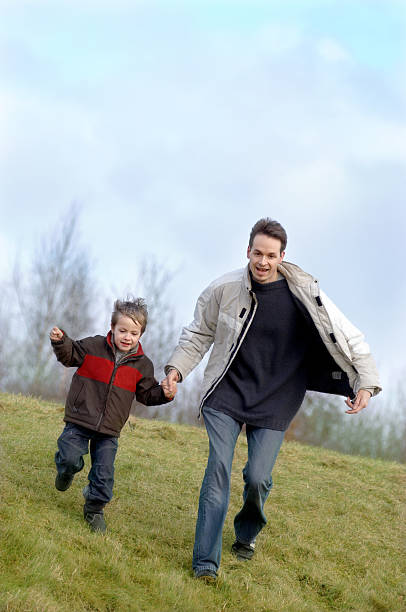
x: 271, y: 228
x: 134, y: 308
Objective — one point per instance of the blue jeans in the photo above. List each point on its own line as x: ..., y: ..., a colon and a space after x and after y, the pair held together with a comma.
x: 73, y: 443
x: 263, y: 448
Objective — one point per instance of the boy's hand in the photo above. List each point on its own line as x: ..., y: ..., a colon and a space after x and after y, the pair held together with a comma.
x: 56, y: 334
x: 169, y: 391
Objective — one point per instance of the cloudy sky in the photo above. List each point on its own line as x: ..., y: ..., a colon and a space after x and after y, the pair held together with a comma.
x: 175, y: 125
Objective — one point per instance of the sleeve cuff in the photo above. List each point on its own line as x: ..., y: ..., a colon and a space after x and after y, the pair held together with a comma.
x: 168, y: 368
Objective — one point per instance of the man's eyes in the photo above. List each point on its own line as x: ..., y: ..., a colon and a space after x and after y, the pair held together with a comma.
x: 271, y: 256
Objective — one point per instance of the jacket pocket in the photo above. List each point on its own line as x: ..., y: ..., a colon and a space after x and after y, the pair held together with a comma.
x: 76, y: 399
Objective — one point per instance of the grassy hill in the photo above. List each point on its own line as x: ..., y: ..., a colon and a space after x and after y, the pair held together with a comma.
x: 334, y: 541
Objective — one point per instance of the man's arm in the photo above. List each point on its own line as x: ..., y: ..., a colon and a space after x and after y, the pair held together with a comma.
x: 196, y: 338
x: 359, y: 352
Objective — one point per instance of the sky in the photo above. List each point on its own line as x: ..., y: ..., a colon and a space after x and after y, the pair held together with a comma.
x: 175, y: 125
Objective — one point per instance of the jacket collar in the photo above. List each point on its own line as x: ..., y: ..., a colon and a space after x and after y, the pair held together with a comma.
x: 294, y: 274
x: 247, y: 279
x: 290, y: 271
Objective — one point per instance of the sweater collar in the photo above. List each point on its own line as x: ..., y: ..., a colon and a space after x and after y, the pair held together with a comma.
x: 248, y: 277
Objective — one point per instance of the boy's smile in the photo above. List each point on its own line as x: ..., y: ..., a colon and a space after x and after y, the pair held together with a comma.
x: 126, y: 333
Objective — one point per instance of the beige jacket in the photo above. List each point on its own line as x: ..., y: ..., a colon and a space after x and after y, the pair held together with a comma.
x: 339, y: 361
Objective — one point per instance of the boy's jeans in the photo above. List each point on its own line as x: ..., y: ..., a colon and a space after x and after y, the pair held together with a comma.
x: 73, y: 443
x: 263, y: 448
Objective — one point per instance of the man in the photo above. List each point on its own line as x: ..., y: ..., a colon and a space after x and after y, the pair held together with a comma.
x: 273, y: 334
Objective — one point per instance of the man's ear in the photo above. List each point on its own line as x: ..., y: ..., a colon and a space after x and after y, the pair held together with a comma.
x: 248, y: 252
x: 282, y: 255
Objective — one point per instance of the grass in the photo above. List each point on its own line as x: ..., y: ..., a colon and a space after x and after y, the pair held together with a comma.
x: 334, y: 541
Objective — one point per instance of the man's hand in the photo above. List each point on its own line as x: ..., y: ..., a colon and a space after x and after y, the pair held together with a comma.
x: 360, y: 402
x: 169, y: 383
x: 56, y: 334
x: 169, y: 390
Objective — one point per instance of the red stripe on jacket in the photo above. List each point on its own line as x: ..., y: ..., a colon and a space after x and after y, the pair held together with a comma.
x: 96, y: 368
x: 127, y: 378
x: 101, y: 369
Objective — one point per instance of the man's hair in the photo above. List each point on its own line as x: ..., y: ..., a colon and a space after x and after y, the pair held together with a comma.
x: 134, y: 308
x: 271, y: 228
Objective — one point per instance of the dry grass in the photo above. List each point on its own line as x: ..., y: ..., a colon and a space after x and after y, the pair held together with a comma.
x: 335, y: 538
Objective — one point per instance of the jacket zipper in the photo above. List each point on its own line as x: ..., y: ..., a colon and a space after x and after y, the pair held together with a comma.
x: 240, y: 338
x: 116, y: 366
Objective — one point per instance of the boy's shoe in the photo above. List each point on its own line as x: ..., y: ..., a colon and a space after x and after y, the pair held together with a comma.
x: 207, y: 575
x: 63, y: 482
x: 243, y: 552
x: 96, y: 521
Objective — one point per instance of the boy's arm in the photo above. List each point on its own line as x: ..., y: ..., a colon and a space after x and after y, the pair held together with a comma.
x: 149, y: 392
x: 69, y: 352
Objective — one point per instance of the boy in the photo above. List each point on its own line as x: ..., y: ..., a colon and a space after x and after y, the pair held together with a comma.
x: 112, y: 370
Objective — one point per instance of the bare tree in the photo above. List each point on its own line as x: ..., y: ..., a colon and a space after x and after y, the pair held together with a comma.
x: 5, y: 317
x: 154, y: 283
x: 379, y: 431
x: 162, y: 333
x: 58, y: 289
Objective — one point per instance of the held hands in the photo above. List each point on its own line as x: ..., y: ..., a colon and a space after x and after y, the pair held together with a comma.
x: 169, y: 384
x: 56, y: 334
x: 360, y: 402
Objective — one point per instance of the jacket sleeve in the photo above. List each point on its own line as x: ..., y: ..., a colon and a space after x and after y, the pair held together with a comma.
x: 357, y: 349
x: 197, y: 338
x: 149, y: 392
x: 70, y: 353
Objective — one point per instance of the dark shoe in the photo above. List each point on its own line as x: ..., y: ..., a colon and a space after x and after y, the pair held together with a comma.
x: 208, y: 576
x: 96, y: 521
x: 243, y: 552
x: 62, y: 483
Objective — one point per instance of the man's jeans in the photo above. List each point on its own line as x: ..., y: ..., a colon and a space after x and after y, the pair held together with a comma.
x: 263, y: 448
x: 73, y: 443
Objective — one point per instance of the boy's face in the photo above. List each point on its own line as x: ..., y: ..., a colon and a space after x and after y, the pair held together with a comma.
x: 126, y: 333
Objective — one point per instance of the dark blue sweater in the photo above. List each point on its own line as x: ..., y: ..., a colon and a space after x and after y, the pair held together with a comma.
x: 266, y: 382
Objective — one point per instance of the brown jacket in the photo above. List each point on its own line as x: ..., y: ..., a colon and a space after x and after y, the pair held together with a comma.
x: 102, y: 391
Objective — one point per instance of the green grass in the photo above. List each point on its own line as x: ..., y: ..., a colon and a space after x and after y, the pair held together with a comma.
x: 334, y: 541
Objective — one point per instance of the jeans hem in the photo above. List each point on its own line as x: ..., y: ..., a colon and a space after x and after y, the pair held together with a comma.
x: 204, y: 568
x: 240, y: 541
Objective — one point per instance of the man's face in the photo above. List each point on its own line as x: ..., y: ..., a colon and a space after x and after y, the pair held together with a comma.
x: 265, y: 255
x: 126, y: 333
